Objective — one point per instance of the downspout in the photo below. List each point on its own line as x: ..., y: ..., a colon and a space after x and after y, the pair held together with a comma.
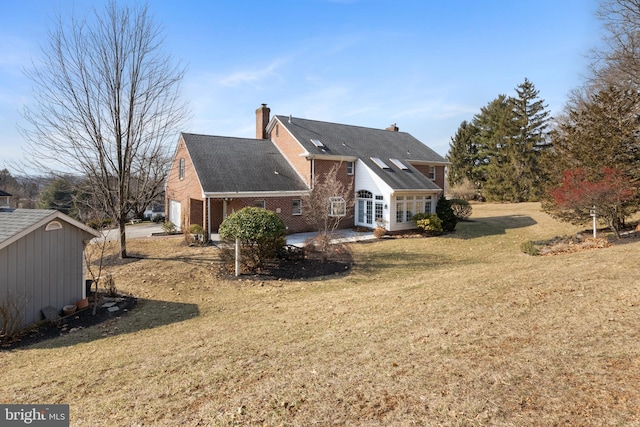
x: 313, y: 171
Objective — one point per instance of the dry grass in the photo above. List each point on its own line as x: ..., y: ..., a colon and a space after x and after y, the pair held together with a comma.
x: 455, y: 330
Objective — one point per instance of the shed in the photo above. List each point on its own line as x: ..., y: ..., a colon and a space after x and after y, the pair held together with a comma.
x: 41, y: 260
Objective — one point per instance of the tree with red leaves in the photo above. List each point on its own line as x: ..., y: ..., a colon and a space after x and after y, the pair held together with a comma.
x: 580, y: 192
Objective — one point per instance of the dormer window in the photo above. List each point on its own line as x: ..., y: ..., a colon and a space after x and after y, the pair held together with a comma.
x: 379, y: 163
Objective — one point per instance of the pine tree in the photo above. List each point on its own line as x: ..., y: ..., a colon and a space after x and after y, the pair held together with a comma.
x: 463, y: 155
x: 495, y: 130
x: 531, y: 121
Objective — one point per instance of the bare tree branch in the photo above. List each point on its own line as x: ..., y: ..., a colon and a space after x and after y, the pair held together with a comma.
x: 106, y: 104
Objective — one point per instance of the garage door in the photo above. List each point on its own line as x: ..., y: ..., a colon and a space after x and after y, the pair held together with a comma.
x: 175, y: 213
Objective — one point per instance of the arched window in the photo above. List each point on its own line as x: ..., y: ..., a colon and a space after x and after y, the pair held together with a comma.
x: 53, y: 225
x: 364, y: 194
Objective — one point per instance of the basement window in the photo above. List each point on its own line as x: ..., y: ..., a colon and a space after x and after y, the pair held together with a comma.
x: 379, y: 163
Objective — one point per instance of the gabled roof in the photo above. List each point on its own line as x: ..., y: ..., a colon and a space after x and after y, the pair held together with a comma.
x: 14, y: 225
x: 4, y: 194
x: 230, y: 165
x: 366, y: 143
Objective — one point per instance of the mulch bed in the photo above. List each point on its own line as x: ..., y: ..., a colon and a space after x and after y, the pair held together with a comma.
x: 69, y: 324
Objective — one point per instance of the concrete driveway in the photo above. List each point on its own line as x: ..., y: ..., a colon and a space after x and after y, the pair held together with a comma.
x: 135, y: 231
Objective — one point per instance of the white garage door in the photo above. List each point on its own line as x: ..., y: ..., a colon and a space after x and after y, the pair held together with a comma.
x: 175, y: 213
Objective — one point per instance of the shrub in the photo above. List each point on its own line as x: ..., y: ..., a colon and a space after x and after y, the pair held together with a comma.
x: 168, y: 227
x: 464, y: 190
x: 261, y: 234
x: 529, y: 248
x: 446, y: 215
x: 379, y: 232
x: 158, y: 218
x: 461, y: 209
x: 198, y: 232
x: 428, y: 222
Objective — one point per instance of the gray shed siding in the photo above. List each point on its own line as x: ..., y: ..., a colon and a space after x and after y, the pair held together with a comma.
x: 46, y: 268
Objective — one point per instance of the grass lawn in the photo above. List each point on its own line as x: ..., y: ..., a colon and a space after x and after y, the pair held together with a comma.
x: 462, y: 329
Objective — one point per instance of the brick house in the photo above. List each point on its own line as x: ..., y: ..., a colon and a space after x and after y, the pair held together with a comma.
x: 394, y: 176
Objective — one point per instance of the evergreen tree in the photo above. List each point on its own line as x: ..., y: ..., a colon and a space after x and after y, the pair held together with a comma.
x: 446, y: 215
x: 601, y: 132
x: 500, y: 150
x: 58, y: 195
x: 531, y: 121
x: 495, y: 130
x: 463, y: 155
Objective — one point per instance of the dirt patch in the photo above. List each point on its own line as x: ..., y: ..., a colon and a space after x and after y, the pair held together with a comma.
x: 75, y: 322
x: 578, y: 243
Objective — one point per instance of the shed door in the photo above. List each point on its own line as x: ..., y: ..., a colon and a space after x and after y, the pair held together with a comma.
x: 175, y: 213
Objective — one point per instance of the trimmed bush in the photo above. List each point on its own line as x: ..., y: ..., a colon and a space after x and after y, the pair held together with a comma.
x: 261, y: 233
x: 428, y: 222
x: 461, y: 209
x: 446, y: 215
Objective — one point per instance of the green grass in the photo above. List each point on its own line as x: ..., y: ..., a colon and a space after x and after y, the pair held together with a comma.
x: 462, y: 329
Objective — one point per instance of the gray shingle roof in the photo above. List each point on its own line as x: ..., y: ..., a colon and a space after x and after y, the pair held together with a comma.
x: 235, y: 165
x: 364, y: 143
x: 12, y: 223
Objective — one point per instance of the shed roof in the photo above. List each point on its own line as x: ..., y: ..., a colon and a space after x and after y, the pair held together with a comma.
x: 4, y: 193
x: 240, y: 165
x: 20, y: 222
x: 365, y: 144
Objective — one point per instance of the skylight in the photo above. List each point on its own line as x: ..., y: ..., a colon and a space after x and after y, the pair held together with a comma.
x: 399, y: 164
x: 380, y: 163
x: 317, y: 143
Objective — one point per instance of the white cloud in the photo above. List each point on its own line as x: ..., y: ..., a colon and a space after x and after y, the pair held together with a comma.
x: 253, y: 75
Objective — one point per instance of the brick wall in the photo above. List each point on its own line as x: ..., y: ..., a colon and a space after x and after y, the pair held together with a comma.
x: 425, y: 169
x: 186, y: 190
x: 282, y: 206
x: 291, y: 150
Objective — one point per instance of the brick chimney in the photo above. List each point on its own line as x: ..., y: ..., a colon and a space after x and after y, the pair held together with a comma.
x: 262, y: 120
x: 393, y: 128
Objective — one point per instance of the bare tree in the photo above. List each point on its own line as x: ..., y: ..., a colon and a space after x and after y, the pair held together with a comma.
x: 106, y: 104
x: 328, y: 203
x: 617, y: 62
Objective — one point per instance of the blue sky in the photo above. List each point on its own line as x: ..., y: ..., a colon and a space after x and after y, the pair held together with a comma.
x: 425, y: 65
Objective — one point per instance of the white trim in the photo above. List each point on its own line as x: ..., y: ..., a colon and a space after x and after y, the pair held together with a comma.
x: 427, y: 162
x: 265, y: 194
